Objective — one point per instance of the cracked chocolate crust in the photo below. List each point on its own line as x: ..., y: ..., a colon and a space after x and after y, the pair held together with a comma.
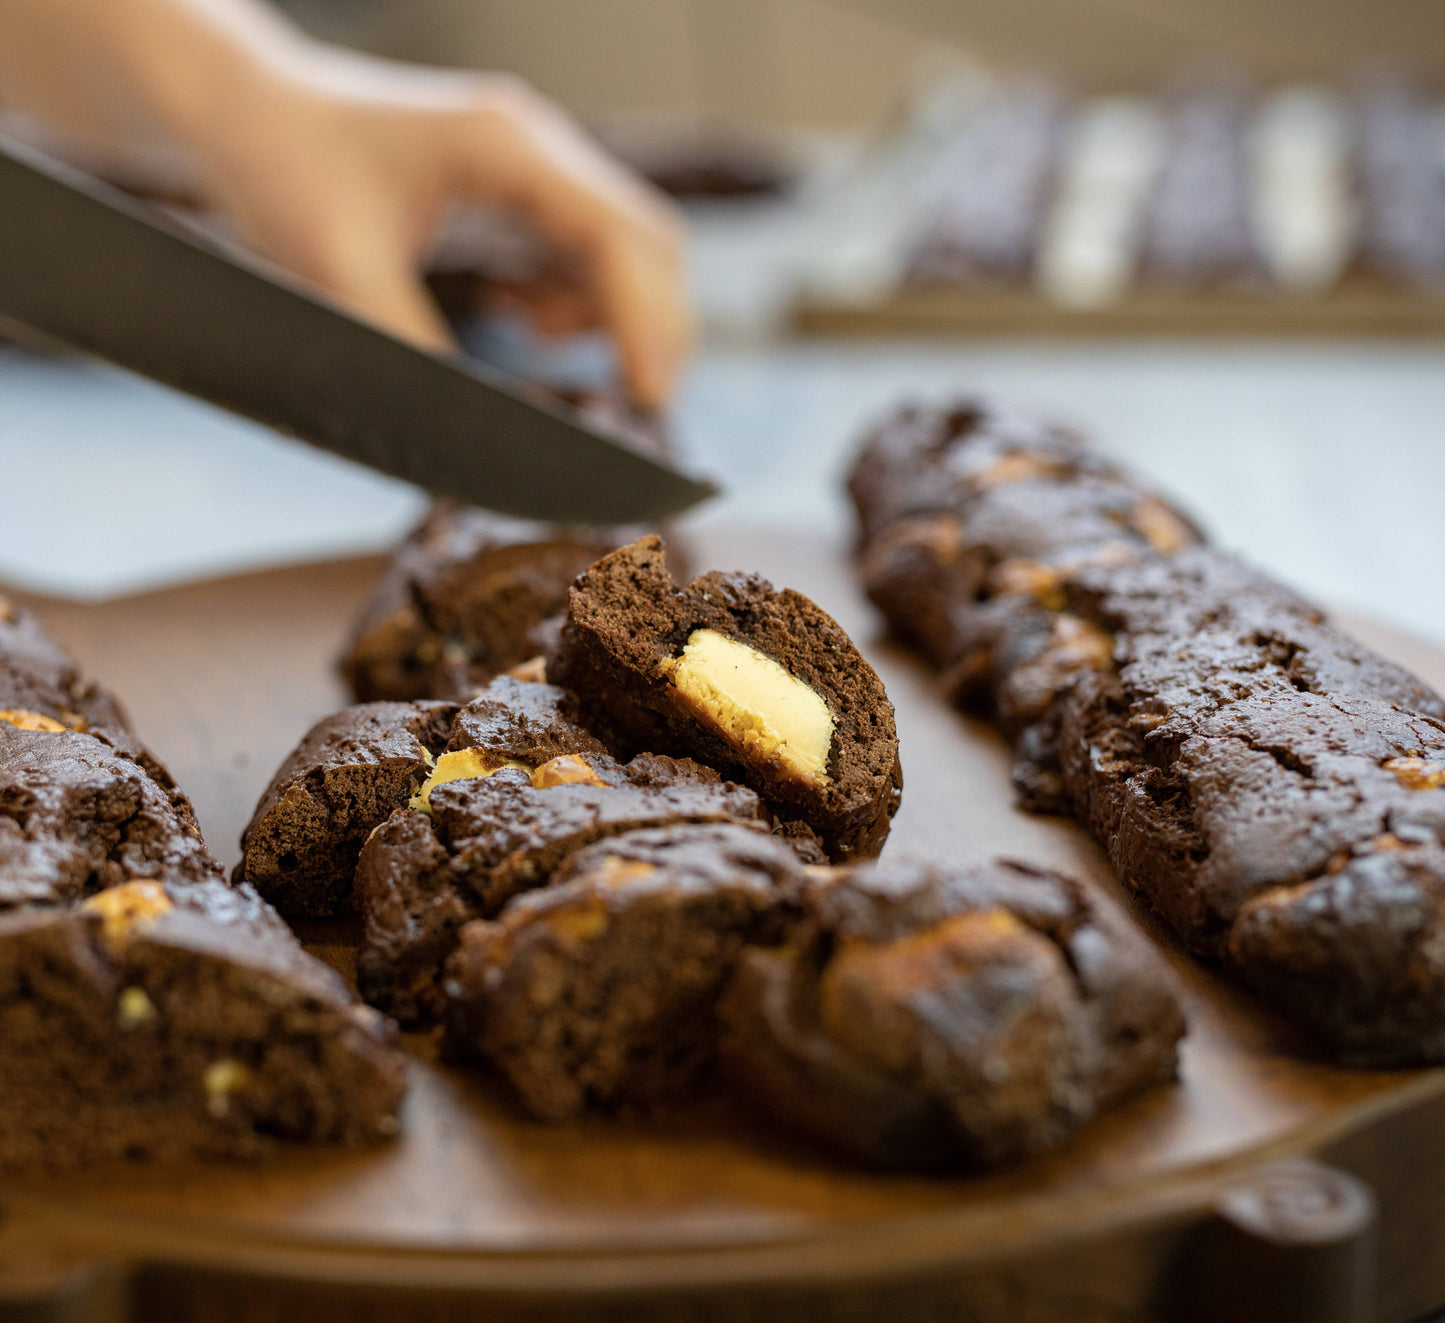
x: 471, y: 594
x: 925, y: 1017
x: 147, y: 1008
x: 355, y: 768
x: 626, y: 618
x: 77, y: 817
x: 422, y: 875
x: 38, y: 676
x: 468, y: 596
x: 1273, y: 788
x: 347, y: 775
x: 600, y: 990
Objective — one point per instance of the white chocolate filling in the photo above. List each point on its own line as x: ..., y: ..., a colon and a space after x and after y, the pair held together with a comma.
x: 460, y: 765
x: 1302, y: 191
x: 1089, y: 243
x: 750, y: 698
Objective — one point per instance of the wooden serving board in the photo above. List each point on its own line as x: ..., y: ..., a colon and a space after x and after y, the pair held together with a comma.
x: 1176, y: 1202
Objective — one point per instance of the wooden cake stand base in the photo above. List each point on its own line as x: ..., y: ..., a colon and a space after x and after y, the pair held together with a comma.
x: 1265, y: 1185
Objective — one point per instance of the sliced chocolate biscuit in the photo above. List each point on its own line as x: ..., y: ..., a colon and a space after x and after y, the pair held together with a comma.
x: 76, y: 816
x: 146, y: 1008
x: 348, y: 774
x: 466, y: 598
x: 924, y: 1016
x: 600, y: 989
x: 354, y: 769
x: 41, y: 688
x: 473, y: 842
x: 756, y: 682
x: 181, y: 1021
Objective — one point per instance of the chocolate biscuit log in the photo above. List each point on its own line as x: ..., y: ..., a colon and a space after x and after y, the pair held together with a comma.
x: 1272, y: 787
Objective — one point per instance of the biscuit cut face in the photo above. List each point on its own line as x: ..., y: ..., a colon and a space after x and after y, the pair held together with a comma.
x: 754, y: 681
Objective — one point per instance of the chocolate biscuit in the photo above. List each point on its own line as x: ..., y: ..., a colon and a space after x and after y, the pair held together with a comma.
x: 77, y: 817
x: 471, y: 844
x: 1197, y: 226
x: 1267, y: 783
x: 991, y: 189
x: 471, y: 594
x: 354, y: 769
x: 974, y: 518
x: 166, y: 1022
x: 39, y: 678
x: 925, y: 1016
x: 347, y: 775
x: 466, y: 598
x: 147, y: 1009
x: 1400, y: 179
x: 600, y: 989
x: 756, y: 682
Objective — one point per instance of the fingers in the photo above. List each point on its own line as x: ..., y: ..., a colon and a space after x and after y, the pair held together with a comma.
x: 641, y: 302
x: 389, y: 294
x: 514, y: 149
x: 346, y: 245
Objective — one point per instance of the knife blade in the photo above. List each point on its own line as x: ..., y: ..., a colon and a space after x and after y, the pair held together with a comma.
x: 86, y: 266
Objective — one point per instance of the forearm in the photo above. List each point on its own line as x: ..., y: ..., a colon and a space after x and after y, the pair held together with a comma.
x: 140, y: 71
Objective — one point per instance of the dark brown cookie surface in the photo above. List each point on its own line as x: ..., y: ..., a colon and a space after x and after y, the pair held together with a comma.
x: 1264, y: 780
x: 600, y: 989
x: 757, y: 682
x: 164, y: 1023
x: 148, y: 1009
x: 354, y: 769
x: 346, y: 776
x: 465, y: 599
x: 481, y: 839
x: 39, y: 679
x: 927, y: 1016
x: 76, y: 817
